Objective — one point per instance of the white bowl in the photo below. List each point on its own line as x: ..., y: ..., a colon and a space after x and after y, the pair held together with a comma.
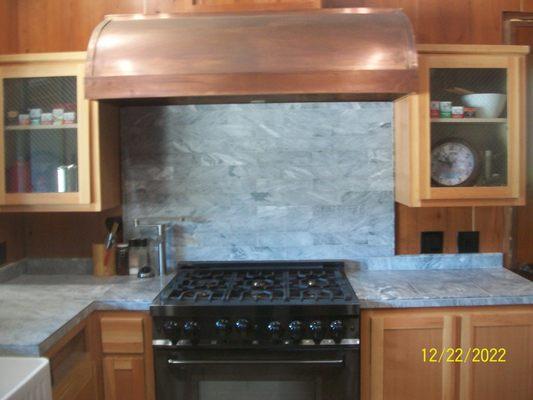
x: 488, y: 105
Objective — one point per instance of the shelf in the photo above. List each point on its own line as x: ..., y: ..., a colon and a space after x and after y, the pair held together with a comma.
x: 39, y: 127
x: 469, y: 120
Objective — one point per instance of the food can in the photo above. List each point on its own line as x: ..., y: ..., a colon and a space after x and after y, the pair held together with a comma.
x: 24, y: 119
x: 67, y: 178
x: 57, y: 115
x: 469, y: 112
x: 12, y: 117
x: 445, y: 108
x: 46, y: 118
x: 457, y: 112
x: 435, y: 109
x: 35, y: 115
x: 69, y: 117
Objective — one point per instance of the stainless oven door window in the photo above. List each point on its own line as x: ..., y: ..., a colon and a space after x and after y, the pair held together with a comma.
x: 257, y: 374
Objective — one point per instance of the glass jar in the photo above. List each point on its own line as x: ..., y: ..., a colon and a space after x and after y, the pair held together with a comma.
x: 138, y: 255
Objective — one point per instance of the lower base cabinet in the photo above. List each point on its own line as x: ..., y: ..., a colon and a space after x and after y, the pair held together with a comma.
x: 471, y: 353
x: 512, y: 334
x: 127, y: 358
x: 74, y: 364
x: 124, y: 378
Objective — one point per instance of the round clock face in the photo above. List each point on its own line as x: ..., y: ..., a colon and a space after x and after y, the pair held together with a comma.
x: 453, y: 163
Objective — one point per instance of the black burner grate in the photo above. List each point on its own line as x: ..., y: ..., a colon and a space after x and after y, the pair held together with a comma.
x: 260, y: 286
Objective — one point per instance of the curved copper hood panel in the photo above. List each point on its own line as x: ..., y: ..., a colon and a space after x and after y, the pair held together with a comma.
x: 330, y: 52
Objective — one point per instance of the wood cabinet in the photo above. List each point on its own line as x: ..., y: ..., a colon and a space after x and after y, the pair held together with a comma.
x: 476, y: 161
x: 124, y: 378
x: 128, y: 370
x: 393, y: 366
x: 58, y: 151
x: 393, y: 343
x: 74, y: 364
x: 511, y: 331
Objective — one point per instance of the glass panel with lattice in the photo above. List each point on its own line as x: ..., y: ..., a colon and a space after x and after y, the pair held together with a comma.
x: 40, y: 135
x: 469, y: 131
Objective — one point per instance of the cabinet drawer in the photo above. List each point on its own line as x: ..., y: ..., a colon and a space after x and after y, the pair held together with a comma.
x: 122, y: 335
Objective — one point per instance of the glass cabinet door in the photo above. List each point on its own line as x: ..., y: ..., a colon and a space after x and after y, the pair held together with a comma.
x: 45, y: 139
x: 471, y: 138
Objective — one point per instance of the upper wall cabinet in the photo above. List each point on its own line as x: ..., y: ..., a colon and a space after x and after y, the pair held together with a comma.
x: 58, y: 151
x: 460, y: 141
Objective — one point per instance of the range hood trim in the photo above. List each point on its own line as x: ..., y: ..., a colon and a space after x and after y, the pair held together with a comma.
x: 222, y: 75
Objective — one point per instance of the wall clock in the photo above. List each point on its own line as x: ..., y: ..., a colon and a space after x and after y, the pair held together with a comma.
x: 454, y: 162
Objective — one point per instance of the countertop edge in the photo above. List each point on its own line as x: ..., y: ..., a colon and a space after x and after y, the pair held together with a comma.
x: 447, y: 302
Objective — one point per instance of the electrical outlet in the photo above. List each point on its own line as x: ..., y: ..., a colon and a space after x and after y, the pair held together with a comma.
x: 431, y: 242
x: 468, y: 242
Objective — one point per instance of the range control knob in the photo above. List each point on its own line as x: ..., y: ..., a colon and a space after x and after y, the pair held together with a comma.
x: 296, y: 331
x: 223, y: 328
x: 243, y: 327
x: 191, y: 331
x: 274, y: 330
x: 336, y: 329
x: 317, y: 331
x: 171, y: 329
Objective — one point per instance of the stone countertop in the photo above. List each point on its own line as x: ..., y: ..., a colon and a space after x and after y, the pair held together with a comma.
x: 37, y: 310
x: 439, y: 287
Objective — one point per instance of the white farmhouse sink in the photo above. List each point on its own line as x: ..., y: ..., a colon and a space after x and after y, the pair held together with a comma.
x: 24, y: 378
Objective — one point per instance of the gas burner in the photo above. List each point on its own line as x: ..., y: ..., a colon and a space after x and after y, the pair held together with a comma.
x: 314, y: 283
x: 197, y: 295
x: 198, y: 275
x: 257, y: 295
x: 261, y: 283
x: 252, y: 275
x: 204, y: 284
x: 311, y: 274
x: 317, y: 294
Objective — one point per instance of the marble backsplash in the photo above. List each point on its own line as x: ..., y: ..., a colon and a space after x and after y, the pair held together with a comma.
x: 262, y: 181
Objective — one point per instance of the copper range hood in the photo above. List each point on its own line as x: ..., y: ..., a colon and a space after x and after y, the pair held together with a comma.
x: 346, y: 53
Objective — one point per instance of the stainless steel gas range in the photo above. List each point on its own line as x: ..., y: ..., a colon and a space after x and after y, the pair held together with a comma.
x: 261, y: 330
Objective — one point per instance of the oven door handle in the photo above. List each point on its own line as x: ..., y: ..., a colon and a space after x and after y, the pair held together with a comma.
x: 333, y: 362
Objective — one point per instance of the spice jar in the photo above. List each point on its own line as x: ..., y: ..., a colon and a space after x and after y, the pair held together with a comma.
x: 123, y: 259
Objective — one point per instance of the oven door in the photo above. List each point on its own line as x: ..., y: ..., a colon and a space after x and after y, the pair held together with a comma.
x: 268, y: 374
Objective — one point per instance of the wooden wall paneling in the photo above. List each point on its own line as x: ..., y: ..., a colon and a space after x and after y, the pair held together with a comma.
x: 12, y: 232
x: 491, y: 222
x: 521, y: 32
x: 492, y: 225
x: 486, y: 19
x: 434, y: 21
x: 8, y: 27
x: 64, y: 25
x: 410, y: 222
x: 526, y: 5
x: 453, y: 21
x: 65, y: 234
x: 169, y: 6
x: 165, y: 6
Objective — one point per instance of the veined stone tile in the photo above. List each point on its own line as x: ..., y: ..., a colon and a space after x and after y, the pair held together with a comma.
x: 245, y: 180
